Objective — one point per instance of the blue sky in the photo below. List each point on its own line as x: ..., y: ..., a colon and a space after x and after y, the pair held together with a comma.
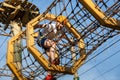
x: 108, y: 60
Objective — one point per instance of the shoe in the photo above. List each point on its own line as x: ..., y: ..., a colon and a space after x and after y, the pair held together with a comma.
x: 49, y: 77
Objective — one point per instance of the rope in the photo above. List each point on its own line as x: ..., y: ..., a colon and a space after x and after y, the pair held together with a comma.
x: 92, y: 32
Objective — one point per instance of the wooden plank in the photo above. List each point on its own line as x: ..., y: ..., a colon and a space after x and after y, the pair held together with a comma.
x: 4, y: 15
x: 1, y: 19
x: 28, y: 5
x: 1, y: 9
x: 33, y: 7
x: 8, y: 5
x: 18, y: 2
x: 24, y: 3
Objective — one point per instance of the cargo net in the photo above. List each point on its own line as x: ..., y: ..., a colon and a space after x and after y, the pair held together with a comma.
x: 84, y: 23
x: 92, y: 32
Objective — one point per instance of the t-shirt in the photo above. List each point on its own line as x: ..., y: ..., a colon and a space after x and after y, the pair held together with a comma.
x: 50, y: 30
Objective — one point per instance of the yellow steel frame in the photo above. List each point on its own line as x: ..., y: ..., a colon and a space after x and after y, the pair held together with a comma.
x: 38, y: 55
x: 10, y: 58
x: 100, y: 16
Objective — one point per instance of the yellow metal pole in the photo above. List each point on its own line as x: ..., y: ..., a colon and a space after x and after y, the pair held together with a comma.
x: 100, y: 16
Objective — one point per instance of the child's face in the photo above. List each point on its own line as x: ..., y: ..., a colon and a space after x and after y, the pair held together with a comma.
x: 59, y: 26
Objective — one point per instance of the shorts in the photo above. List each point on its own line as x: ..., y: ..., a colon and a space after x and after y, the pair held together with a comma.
x: 41, y: 42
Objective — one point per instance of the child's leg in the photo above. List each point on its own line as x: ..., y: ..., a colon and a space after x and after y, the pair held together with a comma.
x: 51, y: 49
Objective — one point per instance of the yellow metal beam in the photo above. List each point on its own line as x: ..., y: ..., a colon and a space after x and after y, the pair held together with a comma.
x: 100, y: 16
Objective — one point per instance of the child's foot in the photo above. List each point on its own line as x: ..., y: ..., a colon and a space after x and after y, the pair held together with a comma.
x: 56, y: 61
x: 49, y: 77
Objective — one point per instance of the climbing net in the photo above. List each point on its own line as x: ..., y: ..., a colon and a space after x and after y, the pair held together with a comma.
x: 93, y: 33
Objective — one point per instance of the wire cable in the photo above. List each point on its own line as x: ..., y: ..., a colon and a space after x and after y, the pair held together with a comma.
x: 108, y: 71
x: 101, y: 62
x: 1, y: 47
x: 99, y: 54
x: 102, y: 51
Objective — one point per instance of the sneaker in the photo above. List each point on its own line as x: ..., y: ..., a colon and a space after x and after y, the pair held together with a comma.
x: 49, y: 77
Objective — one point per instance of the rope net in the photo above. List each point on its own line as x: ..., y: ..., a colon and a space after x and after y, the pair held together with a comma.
x: 93, y: 33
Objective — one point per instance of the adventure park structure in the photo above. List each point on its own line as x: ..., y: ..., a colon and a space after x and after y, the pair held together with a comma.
x: 87, y: 25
